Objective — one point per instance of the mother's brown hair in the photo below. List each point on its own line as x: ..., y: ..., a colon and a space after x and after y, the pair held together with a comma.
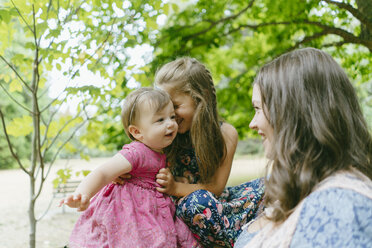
x: 318, y: 126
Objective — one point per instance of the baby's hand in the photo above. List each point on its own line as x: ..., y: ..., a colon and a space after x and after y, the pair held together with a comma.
x: 79, y: 201
x: 166, y: 180
x: 181, y: 179
x: 122, y: 179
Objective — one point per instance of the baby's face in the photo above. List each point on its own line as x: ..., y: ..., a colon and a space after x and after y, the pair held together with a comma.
x: 157, y: 129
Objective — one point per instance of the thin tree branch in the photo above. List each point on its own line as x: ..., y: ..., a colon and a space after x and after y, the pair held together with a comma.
x: 232, y: 16
x: 347, y: 36
x: 46, y: 210
x: 36, y: 154
x: 61, y: 130
x: 46, y: 20
x: 48, y: 124
x: 10, y: 144
x: 355, y: 12
x: 214, y: 23
x: 307, y: 39
x: 55, y: 99
x: 337, y: 44
x: 78, y: 69
x: 51, y: 116
x: 24, y: 20
x: 64, y: 143
x: 36, y: 73
x: 42, y: 166
x: 256, y: 26
x: 46, y: 91
x: 70, y: 137
x: 59, y: 23
x: 16, y: 72
x: 15, y: 100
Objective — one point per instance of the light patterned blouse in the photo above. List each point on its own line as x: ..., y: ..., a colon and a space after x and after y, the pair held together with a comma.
x: 339, y: 214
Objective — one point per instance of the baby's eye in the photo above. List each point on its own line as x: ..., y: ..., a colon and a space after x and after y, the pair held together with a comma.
x: 160, y: 120
x: 175, y: 106
x: 173, y: 117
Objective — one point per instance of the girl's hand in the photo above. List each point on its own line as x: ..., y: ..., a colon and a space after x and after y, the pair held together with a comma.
x: 79, y: 201
x: 166, y: 180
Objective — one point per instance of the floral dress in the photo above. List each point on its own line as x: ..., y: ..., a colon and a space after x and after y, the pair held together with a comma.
x: 216, y: 220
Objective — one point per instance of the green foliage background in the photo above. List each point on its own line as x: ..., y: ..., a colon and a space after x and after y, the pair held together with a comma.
x: 233, y: 38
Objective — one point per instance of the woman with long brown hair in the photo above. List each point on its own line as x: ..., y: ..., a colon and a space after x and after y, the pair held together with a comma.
x: 319, y: 189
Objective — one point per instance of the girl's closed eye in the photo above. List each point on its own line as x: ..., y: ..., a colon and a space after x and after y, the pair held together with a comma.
x: 256, y: 108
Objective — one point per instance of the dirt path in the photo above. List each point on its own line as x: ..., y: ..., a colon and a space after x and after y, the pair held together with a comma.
x: 54, y: 229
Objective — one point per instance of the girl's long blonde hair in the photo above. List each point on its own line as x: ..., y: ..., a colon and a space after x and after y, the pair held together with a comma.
x: 318, y: 126
x: 189, y: 76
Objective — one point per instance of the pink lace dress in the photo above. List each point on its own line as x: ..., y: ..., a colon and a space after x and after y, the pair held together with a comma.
x: 134, y: 214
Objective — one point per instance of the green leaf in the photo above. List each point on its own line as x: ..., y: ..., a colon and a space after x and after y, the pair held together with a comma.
x: 4, y: 15
x: 85, y: 172
x: 6, y: 78
x: 15, y: 86
x: 175, y: 7
x: 84, y: 156
x: 20, y: 126
x: 152, y: 24
x: 166, y: 9
x: 62, y: 176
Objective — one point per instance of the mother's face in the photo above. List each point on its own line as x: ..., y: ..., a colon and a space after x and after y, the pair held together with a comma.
x: 260, y: 122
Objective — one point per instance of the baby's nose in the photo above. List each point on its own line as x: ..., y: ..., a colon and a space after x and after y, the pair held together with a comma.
x: 170, y: 123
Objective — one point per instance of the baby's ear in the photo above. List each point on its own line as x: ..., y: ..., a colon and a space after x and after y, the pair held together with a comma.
x: 135, y: 132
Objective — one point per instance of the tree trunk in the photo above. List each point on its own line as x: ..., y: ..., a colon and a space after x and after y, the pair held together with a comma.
x: 35, y: 154
x: 31, y: 214
x: 365, y: 7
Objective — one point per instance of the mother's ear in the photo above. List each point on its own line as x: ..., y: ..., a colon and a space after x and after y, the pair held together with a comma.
x: 135, y: 132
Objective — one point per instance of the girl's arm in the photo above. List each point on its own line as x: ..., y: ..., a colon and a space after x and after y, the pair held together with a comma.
x: 219, y: 180
x: 96, y: 180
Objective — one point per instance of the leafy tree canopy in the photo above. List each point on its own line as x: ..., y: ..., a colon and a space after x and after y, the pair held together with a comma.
x: 235, y: 38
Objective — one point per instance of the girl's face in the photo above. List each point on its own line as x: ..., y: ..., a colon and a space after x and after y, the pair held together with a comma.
x: 157, y: 130
x: 260, y: 122
x: 184, y: 107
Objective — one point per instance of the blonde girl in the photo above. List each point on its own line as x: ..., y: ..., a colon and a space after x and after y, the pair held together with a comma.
x: 133, y: 214
x: 201, y: 157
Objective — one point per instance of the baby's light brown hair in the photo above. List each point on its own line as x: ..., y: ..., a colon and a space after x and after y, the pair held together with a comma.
x: 156, y: 99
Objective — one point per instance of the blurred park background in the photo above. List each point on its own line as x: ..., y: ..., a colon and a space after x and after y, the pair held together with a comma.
x: 67, y: 65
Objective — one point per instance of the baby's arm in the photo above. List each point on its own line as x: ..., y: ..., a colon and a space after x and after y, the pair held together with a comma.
x: 96, y: 180
x: 219, y: 180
